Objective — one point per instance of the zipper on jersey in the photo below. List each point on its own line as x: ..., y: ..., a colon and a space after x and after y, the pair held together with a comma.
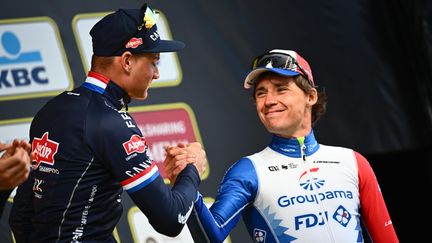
x: 309, y: 174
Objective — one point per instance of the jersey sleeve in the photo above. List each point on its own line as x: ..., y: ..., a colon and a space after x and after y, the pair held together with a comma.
x: 237, y: 190
x: 372, y: 205
x: 120, y: 145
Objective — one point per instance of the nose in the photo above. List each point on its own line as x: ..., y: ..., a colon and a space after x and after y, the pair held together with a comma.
x: 156, y: 73
x: 270, y: 99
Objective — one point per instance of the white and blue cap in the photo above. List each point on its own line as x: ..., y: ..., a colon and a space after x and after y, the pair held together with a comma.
x: 284, y: 62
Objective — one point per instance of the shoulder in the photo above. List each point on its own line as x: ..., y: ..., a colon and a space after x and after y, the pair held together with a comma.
x: 107, y: 118
x: 240, y: 179
x: 357, y: 156
x: 105, y: 122
x: 241, y: 170
x: 242, y: 164
x: 362, y: 164
x: 331, y: 148
x: 337, y: 151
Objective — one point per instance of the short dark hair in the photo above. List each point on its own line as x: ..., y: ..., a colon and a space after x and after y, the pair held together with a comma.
x: 320, y: 106
x: 101, y: 63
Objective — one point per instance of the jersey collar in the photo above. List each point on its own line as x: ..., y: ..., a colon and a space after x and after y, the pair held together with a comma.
x: 291, y: 146
x: 102, y: 85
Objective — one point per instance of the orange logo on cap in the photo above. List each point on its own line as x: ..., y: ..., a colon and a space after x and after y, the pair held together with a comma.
x: 134, y: 43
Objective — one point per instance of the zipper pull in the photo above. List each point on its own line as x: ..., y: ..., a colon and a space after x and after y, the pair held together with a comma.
x: 303, y: 148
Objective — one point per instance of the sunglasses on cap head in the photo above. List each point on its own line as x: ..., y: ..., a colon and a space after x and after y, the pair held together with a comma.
x: 142, y: 24
x: 281, y: 61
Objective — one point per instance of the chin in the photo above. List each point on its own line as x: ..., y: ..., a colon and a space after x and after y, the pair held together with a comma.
x: 276, y: 130
x: 272, y: 126
x: 271, y: 129
x: 140, y: 96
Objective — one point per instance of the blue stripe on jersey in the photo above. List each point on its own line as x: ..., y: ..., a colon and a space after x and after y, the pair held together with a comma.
x: 93, y: 87
x: 144, y: 183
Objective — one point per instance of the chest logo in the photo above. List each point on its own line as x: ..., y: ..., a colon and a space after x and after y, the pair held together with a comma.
x: 44, y: 150
x: 309, y: 181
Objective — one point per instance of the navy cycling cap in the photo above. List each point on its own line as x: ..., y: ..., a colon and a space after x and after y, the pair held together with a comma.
x: 131, y: 30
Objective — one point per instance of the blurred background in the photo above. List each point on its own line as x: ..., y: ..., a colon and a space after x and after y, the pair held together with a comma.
x: 372, y: 58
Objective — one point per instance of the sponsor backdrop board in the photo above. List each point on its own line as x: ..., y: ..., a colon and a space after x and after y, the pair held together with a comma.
x: 32, y: 64
x: 167, y: 124
x: 14, y: 129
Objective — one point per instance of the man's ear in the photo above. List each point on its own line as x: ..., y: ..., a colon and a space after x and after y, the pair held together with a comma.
x: 312, y: 96
x: 126, y: 61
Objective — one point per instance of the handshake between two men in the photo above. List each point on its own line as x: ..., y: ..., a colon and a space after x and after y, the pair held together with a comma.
x: 180, y: 156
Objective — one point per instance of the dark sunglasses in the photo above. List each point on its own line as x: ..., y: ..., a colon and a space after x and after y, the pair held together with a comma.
x: 279, y: 60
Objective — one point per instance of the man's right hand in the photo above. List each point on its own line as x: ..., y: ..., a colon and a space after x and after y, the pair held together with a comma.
x: 14, y: 164
x: 179, y: 157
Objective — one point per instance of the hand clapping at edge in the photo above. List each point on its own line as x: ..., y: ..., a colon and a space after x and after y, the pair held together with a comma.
x: 14, y: 163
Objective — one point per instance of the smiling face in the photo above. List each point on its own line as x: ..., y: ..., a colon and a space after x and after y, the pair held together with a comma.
x: 283, y: 107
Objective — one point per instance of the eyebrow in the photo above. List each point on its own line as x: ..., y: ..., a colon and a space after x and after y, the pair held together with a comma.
x: 153, y: 56
x: 156, y: 55
x: 279, y: 84
x: 259, y: 89
x: 276, y: 84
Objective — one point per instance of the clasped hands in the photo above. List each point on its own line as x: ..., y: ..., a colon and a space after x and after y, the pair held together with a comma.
x: 14, y: 163
x: 179, y: 157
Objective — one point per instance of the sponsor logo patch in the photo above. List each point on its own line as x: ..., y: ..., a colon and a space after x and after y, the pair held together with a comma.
x: 342, y: 216
x: 136, y: 144
x: 311, y: 183
x: 37, y: 188
x: 31, y: 64
x: 259, y: 235
x: 44, y: 150
x: 134, y: 43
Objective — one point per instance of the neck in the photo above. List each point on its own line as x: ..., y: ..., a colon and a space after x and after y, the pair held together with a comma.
x: 110, y: 72
x: 297, y: 132
x: 302, y: 130
x: 292, y: 147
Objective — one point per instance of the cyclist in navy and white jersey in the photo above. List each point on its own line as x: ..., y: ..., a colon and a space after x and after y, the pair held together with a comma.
x: 88, y: 149
x: 294, y: 190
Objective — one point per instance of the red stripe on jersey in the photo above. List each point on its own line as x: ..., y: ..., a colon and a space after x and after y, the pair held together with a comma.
x: 139, y: 175
x: 99, y: 76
